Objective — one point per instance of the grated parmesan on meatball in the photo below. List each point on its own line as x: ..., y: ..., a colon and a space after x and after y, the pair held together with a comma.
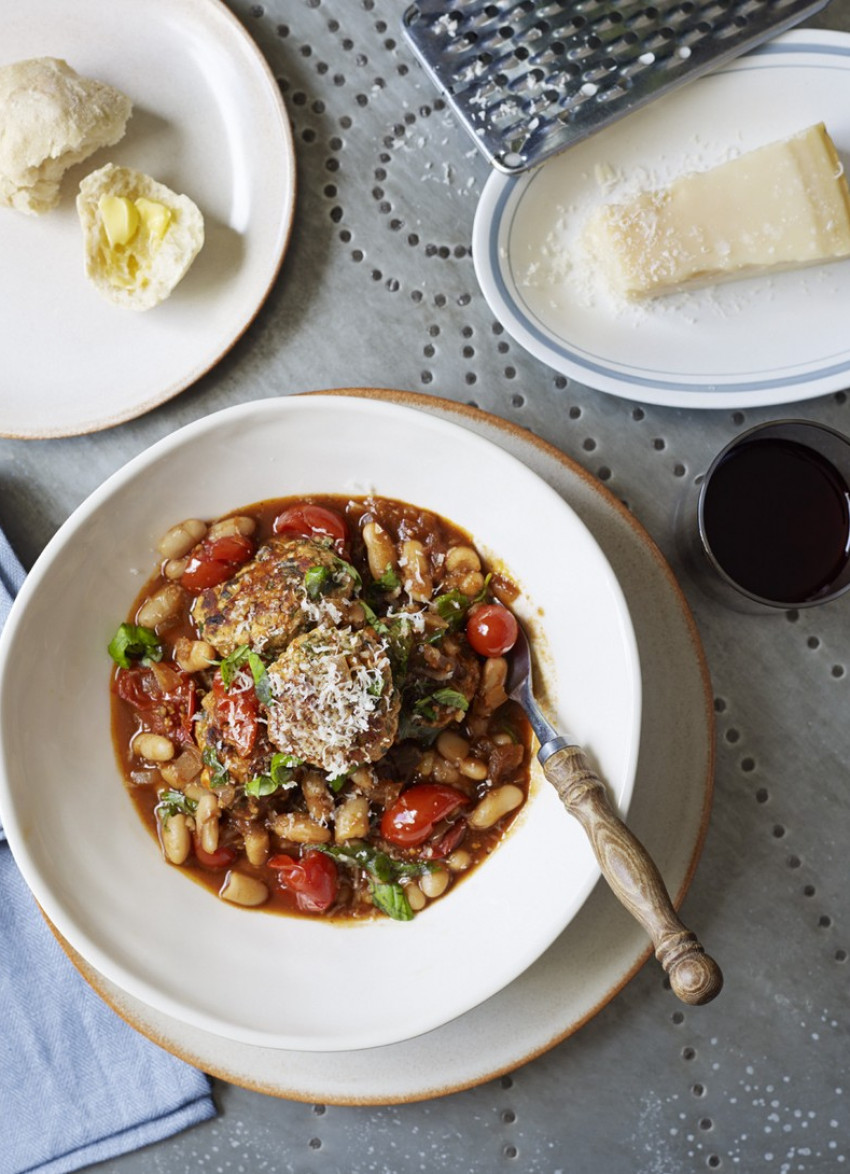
x: 332, y: 699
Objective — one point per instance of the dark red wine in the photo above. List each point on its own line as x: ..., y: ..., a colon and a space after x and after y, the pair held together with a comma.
x: 777, y: 518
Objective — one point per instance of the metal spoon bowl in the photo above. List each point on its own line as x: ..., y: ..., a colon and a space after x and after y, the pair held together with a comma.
x: 626, y: 865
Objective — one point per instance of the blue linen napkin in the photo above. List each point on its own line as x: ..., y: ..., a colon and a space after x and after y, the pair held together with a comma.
x: 77, y: 1084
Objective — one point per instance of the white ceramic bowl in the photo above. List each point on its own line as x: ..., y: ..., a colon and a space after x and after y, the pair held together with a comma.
x: 96, y: 871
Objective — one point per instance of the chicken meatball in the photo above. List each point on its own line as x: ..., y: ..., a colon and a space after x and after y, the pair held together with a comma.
x: 333, y: 703
x: 289, y: 585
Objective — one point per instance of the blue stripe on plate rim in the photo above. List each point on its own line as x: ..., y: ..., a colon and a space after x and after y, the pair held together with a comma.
x: 527, y: 320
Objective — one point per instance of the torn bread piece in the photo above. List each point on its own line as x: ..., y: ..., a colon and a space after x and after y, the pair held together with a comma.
x: 50, y: 119
x: 140, y: 237
x: 782, y: 206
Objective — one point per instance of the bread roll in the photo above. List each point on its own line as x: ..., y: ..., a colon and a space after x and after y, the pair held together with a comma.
x: 140, y: 237
x: 50, y: 119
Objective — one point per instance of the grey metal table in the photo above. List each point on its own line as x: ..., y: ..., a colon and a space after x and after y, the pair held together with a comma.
x: 754, y: 1082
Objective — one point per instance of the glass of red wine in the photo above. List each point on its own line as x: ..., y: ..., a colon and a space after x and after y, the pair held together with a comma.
x: 771, y: 518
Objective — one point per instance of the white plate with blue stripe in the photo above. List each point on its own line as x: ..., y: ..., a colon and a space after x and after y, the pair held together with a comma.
x: 761, y: 341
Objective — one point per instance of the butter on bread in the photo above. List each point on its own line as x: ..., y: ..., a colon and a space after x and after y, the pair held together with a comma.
x: 782, y: 206
x: 50, y: 119
x: 140, y: 237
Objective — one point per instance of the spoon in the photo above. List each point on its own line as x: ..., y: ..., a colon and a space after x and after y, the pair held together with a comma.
x: 626, y: 865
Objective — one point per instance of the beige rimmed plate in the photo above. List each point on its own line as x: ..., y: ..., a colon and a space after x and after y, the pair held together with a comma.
x: 602, y: 948
x: 209, y: 121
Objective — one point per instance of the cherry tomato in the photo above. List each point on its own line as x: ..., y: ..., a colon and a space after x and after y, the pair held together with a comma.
x: 313, y: 521
x: 313, y: 879
x: 164, y: 697
x: 223, y: 856
x: 491, y: 629
x: 211, y: 563
x: 238, y: 711
x: 411, y: 819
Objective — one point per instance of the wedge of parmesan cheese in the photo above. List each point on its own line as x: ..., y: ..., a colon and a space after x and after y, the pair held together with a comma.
x: 782, y: 206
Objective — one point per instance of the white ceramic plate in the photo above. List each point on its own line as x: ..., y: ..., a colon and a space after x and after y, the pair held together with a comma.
x: 288, y: 982
x: 757, y: 342
x: 209, y: 121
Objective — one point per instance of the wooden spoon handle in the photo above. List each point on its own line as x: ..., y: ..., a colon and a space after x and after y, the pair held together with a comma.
x: 633, y: 876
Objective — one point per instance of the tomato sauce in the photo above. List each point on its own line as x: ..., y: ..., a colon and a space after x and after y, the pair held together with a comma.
x: 278, y: 594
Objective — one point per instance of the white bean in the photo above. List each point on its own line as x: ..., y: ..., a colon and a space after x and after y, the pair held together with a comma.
x: 493, y: 806
x: 163, y: 605
x: 257, y: 845
x: 473, y: 768
x: 300, y: 828
x: 459, y: 860
x: 180, y: 539
x: 416, y: 571
x: 444, y: 772
x: 173, y: 568
x: 241, y: 889
x: 426, y: 764
x: 380, y: 550
x: 153, y: 747
x: 452, y: 747
x: 176, y: 840
x: 462, y: 558
x: 434, y: 884
x: 364, y: 778
x: 351, y: 821
x: 471, y: 583
x: 491, y: 687
x: 317, y: 796
x: 228, y: 527
x: 194, y: 655
x: 415, y: 897
x: 206, y: 822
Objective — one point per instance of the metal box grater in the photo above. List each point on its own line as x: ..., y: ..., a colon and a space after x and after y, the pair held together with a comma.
x: 528, y: 79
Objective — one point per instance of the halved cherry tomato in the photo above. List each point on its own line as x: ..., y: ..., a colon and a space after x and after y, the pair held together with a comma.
x: 211, y: 563
x: 491, y: 629
x: 313, y: 879
x: 223, y: 856
x: 411, y: 819
x: 237, y: 710
x: 312, y: 521
x: 164, y: 697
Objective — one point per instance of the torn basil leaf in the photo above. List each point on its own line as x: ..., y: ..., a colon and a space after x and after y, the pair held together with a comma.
x: 280, y: 777
x: 261, y: 679
x: 133, y: 643
x: 351, y: 571
x: 316, y: 580
x: 231, y: 664
x: 174, y: 802
x: 452, y: 606
x: 390, y: 899
x: 218, y: 772
x: 389, y: 581
x: 451, y: 699
x: 241, y: 656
